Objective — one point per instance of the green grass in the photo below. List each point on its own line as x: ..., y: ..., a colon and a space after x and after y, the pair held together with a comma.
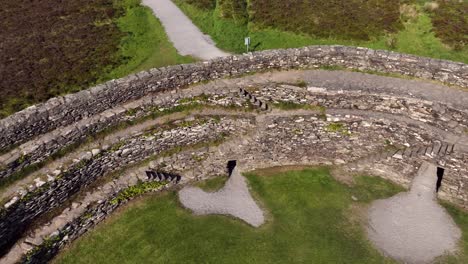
x: 367, y: 188
x: 214, y: 184
x: 227, y: 34
x: 337, y: 127
x: 345, y: 19
x: 189, y: 106
x: 416, y: 37
x: 311, y: 219
x: 130, y: 41
x: 136, y: 190
x: 461, y: 219
x: 145, y: 45
x: 450, y: 21
x: 288, y: 106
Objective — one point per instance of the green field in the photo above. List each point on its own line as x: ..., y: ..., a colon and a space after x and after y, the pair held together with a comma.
x: 311, y: 219
x: 441, y: 33
x: 145, y: 44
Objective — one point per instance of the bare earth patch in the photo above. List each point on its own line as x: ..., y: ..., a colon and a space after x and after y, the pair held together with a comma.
x: 412, y: 227
x: 233, y: 199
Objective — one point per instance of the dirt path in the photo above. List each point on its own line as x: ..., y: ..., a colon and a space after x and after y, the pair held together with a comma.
x: 233, y: 199
x: 186, y: 37
x: 412, y: 227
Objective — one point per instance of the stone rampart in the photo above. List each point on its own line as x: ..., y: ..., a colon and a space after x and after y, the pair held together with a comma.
x: 65, y: 110
x: 14, y: 219
x: 317, y: 125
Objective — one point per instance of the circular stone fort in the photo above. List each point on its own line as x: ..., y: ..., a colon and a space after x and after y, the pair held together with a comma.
x: 69, y: 163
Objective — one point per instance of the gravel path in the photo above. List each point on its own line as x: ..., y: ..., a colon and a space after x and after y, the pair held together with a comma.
x: 412, y: 227
x: 186, y: 37
x: 375, y: 84
x: 233, y: 199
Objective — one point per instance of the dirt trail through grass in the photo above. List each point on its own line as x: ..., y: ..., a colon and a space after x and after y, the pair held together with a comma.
x: 185, y: 36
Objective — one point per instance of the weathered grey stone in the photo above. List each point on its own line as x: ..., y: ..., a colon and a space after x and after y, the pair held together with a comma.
x: 66, y: 110
x: 95, y: 151
x: 285, y: 140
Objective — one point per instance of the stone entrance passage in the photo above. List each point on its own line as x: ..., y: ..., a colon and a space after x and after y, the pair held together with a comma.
x: 440, y: 177
x: 412, y: 227
x: 233, y: 199
x: 230, y: 166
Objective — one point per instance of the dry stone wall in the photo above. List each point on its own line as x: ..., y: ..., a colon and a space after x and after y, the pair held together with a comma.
x: 296, y: 139
x: 93, y: 215
x: 436, y: 114
x: 37, y: 151
x: 363, y: 129
x: 62, y: 111
x: 16, y: 218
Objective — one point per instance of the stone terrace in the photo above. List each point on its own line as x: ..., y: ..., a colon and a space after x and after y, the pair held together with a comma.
x: 358, y: 122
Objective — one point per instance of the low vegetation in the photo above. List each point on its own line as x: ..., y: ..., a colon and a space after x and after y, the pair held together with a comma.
x: 213, y: 184
x: 137, y: 190
x: 404, y: 26
x: 49, y: 49
x: 450, y: 19
x: 288, y: 106
x: 337, y: 127
x: 461, y: 219
x: 312, y: 218
x: 350, y: 19
x: 145, y: 44
x: 158, y: 230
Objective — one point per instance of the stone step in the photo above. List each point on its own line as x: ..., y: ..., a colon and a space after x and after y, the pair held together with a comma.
x: 253, y: 99
x: 163, y: 176
x: 437, y: 149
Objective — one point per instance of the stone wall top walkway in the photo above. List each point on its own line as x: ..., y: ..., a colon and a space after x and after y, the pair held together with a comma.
x: 61, y: 111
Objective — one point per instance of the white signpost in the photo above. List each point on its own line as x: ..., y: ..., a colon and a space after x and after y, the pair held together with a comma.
x: 247, y: 43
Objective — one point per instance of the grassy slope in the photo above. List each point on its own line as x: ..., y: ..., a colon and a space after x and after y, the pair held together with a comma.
x: 50, y: 49
x: 308, y: 224
x: 461, y: 219
x: 213, y: 184
x: 146, y: 45
x: 417, y: 37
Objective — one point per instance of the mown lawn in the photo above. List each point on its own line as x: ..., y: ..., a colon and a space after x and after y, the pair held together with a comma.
x: 312, y: 218
x: 416, y: 34
x: 461, y: 219
x: 213, y: 184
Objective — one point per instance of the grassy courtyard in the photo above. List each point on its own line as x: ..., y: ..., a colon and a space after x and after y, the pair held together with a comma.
x: 312, y: 218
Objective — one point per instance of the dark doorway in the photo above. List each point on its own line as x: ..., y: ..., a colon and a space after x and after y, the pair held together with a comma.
x: 440, y: 176
x: 230, y: 166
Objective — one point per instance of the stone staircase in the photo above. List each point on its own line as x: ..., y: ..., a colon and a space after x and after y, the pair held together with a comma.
x: 163, y: 176
x: 434, y: 151
x: 82, y: 216
x: 253, y: 99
